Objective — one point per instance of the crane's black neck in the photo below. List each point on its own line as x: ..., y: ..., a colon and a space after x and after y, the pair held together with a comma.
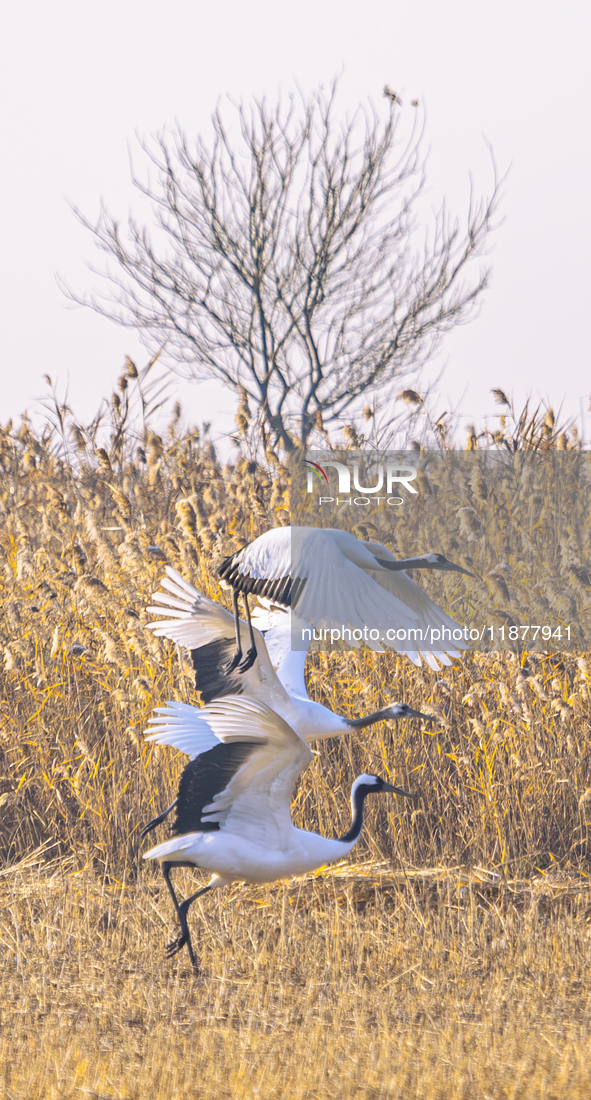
x: 359, y: 796
x: 361, y: 723
x: 405, y: 563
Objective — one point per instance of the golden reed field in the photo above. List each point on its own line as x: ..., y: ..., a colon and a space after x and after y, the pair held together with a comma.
x: 448, y: 958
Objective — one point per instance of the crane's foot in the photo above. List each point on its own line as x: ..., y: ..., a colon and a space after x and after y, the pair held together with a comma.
x: 233, y: 663
x: 248, y: 660
x: 175, y: 946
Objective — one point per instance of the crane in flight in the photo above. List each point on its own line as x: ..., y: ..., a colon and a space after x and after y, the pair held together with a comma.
x: 206, y: 630
x: 233, y: 808
x: 330, y: 579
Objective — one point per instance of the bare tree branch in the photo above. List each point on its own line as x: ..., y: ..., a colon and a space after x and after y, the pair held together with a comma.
x: 287, y: 261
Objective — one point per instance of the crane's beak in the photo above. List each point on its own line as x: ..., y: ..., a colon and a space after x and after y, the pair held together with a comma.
x: 398, y: 790
x: 451, y: 567
x: 418, y: 714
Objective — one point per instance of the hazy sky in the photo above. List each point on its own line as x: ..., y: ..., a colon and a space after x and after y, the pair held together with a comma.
x: 79, y: 80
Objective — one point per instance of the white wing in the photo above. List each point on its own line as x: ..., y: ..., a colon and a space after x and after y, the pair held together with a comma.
x: 430, y: 616
x: 255, y: 803
x: 276, y: 623
x: 206, y: 629
x: 338, y: 587
x: 182, y: 727
x: 339, y: 594
x: 327, y: 571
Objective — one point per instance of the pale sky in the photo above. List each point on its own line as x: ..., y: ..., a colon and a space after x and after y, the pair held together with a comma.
x: 79, y: 80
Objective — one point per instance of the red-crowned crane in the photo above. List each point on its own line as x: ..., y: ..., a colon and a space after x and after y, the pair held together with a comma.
x: 233, y: 808
x: 331, y: 579
x: 206, y: 629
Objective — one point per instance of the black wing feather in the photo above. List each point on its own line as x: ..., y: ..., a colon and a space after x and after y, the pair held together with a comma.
x: 284, y: 591
x: 210, y: 679
x: 203, y: 778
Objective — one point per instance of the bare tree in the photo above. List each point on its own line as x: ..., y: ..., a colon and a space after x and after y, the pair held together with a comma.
x: 288, y: 262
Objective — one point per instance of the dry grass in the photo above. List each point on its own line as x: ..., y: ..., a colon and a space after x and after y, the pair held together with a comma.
x: 377, y: 980
x: 362, y: 983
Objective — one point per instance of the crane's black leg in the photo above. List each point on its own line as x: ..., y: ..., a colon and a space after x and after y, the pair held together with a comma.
x: 251, y: 656
x: 157, y: 820
x: 237, y: 655
x: 175, y: 945
x: 184, y: 937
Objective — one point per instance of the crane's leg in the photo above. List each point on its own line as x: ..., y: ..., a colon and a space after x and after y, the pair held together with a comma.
x: 157, y: 820
x: 175, y: 945
x: 237, y: 654
x: 250, y: 657
x: 184, y: 938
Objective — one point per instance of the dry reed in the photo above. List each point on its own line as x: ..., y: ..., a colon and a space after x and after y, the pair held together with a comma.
x: 412, y: 973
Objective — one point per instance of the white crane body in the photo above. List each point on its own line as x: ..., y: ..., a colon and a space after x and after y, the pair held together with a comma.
x: 331, y: 579
x: 206, y: 629
x: 233, y: 808
x: 233, y: 858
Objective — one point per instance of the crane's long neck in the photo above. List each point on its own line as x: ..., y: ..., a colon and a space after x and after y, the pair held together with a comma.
x: 357, y: 799
x: 369, y: 719
x: 398, y: 566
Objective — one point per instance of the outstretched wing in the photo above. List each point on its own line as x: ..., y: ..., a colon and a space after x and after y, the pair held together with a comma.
x: 335, y: 588
x: 206, y: 629
x: 244, y: 782
x: 436, y: 627
x: 339, y: 595
x: 256, y: 802
x: 182, y: 727
x: 330, y: 586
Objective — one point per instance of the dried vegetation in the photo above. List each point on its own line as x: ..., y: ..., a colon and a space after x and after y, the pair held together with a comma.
x: 411, y: 972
